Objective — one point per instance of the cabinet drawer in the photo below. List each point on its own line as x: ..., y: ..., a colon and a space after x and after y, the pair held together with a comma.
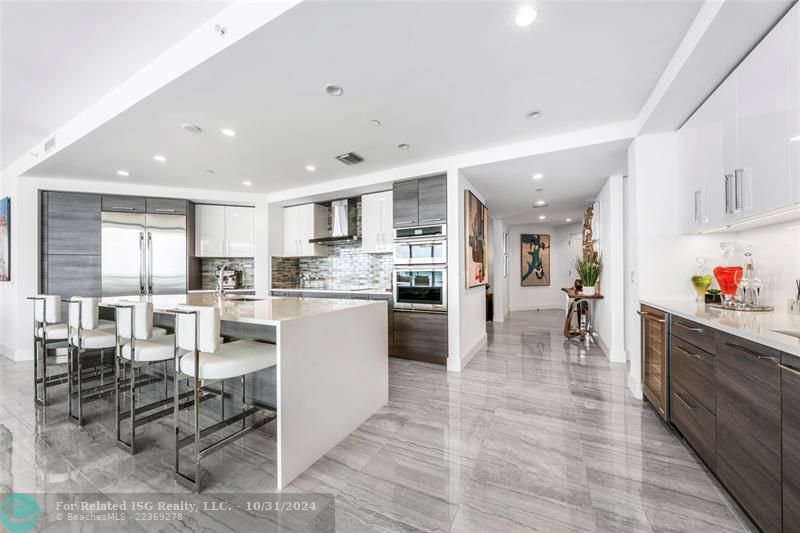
x: 125, y: 204
x: 695, y: 422
x: 694, y: 370
x: 693, y: 333
x: 420, y: 336
x: 166, y: 206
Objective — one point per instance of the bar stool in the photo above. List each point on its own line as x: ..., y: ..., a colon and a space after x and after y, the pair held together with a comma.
x: 139, y: 344
x: 85, y: 336
x: 197, y: 332
x: 47, y: 329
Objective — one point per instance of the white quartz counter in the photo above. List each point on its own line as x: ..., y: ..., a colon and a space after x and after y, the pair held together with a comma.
x: 269, y: 311
x: 373, y: 290
x: 761, y: 328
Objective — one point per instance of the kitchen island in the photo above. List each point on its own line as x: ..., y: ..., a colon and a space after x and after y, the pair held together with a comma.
x: 332, y: 364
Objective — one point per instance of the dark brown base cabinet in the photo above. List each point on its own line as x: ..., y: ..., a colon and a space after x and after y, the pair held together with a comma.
x: 654, y: 358
x: 420, y: 336
x: 790, y: 401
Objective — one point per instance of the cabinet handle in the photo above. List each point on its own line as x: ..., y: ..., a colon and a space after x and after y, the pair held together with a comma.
x: 693, y: 355
x: 687, y: 328
x: 728, y: 178
x: 751, y: 352
x: 790, y: 369
x: 404, y: 222
x: 122, y: 208
x: 165, y: 210
x: 738, y: 189
x: 684, y: 402
x: 645, y: 315
x: 438, y: 219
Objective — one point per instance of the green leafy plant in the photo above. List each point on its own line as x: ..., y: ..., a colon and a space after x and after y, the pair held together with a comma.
x: 588, y: 268
x: 713, y: 291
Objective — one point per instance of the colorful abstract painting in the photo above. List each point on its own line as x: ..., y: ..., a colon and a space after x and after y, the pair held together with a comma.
x: 477, y: 237
x: 5, y: 239
x: 535, y: 260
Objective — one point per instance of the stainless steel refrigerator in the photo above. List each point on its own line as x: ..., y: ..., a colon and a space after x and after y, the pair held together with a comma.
x: 143, y: 254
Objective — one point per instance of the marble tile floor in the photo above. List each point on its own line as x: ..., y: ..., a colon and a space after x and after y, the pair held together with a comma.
x: 537, y: 434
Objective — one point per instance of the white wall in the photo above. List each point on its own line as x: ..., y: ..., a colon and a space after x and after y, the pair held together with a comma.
x: 549, y: 297
x: 500, y: 283
x: 608, y: 318
x: 15, y: 311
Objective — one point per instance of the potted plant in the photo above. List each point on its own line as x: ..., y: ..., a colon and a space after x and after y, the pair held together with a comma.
x: 588, y: 268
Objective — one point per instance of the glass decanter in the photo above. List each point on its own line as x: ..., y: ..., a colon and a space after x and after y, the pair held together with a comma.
x: 701, y: 280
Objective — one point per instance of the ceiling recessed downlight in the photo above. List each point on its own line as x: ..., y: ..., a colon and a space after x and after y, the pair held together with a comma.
x: 375, y: 123
x: 525, y: 16
x: 533, y: 115
x: 568, y: 220
x: 160, y: 158
x: 404, y: 146
x: 538, y: 176
x: 192, y: 128
x: 123, y: 173
x: 795, y: 139
x: 311, y: 168
x: 540, y: 202
x: 542, y: 217
x: 247, y: 183
x: 334, y: 90
x: 227, y: 132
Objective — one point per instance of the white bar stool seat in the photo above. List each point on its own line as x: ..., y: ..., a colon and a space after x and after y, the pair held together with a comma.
x: 156, y: 349
x: 94, y: 339
x: 231, y: 360
x: 47, y: 330
x: 55, y: 332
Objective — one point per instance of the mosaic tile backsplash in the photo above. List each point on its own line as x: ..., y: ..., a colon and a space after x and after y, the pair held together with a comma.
x: 209, y: 271
x: 346, y: 267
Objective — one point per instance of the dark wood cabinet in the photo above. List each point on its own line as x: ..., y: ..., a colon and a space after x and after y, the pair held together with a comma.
x: 694, y: 369
x: 73, y: 223
x: 405, y: 202
x: 433, y: 200
x: 124, y: 204
x: 790, y: 436
x: 701, y: 336
x: 166, y: 206
x: 695, y: 422
x: 421, y: 336
x: 748, y: 400
x: 654, y: 357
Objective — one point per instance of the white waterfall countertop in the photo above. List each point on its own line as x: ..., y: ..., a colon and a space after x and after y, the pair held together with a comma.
x: 759, y: 327
x: 264, y: 310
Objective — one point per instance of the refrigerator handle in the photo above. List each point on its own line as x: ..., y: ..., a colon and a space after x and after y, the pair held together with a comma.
x: 141, y: 262
x: 149, y: 263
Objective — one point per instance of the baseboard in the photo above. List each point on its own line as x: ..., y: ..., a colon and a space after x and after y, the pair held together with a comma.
x: 500, y: 318
x: 545, y: 307
x: 463, y: 361
x: 635, y: 386
x: 7, y: 352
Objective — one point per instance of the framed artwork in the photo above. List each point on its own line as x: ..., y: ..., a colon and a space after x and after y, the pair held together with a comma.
x: 534, y: 260
x: 477, y: 240
x: 5, y: 239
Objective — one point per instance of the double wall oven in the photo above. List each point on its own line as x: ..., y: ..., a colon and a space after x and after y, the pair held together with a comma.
x: 420, y: 268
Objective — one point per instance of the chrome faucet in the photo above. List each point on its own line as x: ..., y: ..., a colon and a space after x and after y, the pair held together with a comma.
x: 221, y: 275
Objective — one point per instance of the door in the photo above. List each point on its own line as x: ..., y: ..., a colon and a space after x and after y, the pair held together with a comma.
x: 166, y: 254
x: 433, y: 200
x: 654, y: 357
x: 123, y: 254
x: 790, y: 436
x: 210, y: 234
x: 239, y: 231
x: 406, y: 203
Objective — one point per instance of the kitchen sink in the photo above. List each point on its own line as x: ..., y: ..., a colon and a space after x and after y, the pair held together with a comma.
x: 787, y: 332
x: 244, y: 298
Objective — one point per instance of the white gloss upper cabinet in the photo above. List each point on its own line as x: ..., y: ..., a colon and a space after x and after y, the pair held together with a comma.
x: 301, y: 223
x: 794, y: 100
x: 762, y: 172
x: 209, y: 231
x: 376, y: 222
x: 239, y: 231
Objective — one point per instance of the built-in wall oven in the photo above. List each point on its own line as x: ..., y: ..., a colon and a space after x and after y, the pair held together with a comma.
x: 420, y: 288
x: 424, y: 245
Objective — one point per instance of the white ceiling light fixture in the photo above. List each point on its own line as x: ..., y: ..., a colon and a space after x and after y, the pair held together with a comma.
x: 123, y: 173
x: 525, y: 16
x: 540, y: 202
x: 404, y: 146
x: 795, y: 139
x: 227, y: 132
x: 542, y: 217
x: 247, y: 183
x: 311, y: 168
x: 538, y: 176
x: 533, y: 115
x: 209, y: 171
x: 192, y: 128
x: 568, y: 220
x: 160, y: 158
x: 334, y: 90
x: 375, y: 123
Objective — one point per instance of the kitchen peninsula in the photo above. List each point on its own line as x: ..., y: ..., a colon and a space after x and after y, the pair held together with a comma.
x: 335, y: 348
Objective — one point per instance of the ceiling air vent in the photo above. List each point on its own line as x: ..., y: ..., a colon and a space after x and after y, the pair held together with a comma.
x: 350, y: 158
x: 49, y: 144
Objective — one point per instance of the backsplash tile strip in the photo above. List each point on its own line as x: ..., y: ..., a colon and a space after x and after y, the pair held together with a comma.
x: 208, y: 271
x: 346, y: 266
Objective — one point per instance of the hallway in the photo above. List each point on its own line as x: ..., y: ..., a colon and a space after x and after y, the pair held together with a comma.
x: 535, y: 435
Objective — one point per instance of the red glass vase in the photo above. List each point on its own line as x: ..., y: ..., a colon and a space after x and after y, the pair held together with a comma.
x: 728, y: 278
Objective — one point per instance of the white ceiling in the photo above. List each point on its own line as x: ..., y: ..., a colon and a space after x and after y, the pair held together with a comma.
x: 58, y: 57
x: 571, y: 180
x: 444, y: 77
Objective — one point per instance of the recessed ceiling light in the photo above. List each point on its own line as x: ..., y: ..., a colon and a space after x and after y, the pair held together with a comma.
x: 311, y: 168
x: 160, y: 158
x: 538, y: 176
x: 227, y: 132
x: 568, y: 220
x: 404, y: 146
x: 533, y: 115
x: 539, y: 189
x: 123, y: 173
x: 525, y: 16
x: 247, y: 183
x: 209, y: 171
x: 334, y: 90
x: 795, y: 139
x: 192, y: 128
x: 540, y: 202
x: 542, y: 217
x: 375, y: 123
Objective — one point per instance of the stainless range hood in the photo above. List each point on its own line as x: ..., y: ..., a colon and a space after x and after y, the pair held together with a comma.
x: 344, y: 224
